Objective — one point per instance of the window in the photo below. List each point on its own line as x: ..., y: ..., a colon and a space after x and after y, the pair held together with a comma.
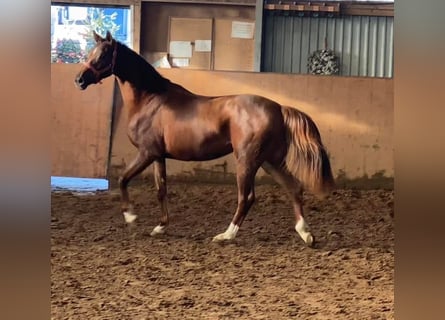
x: 72, y: 29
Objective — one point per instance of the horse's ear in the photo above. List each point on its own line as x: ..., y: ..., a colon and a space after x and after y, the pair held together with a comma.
x: 97, y: 37
x: 109, y: 37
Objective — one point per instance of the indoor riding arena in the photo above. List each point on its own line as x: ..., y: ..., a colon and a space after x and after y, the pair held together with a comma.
x: 331, y: 60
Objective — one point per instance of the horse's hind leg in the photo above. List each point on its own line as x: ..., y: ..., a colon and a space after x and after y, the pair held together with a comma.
x: 141, y: 162
x: 160, y: 176
x: 246, y: 197
x: 295, y: 192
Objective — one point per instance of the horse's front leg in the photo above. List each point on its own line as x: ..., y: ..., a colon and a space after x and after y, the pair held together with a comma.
x: 142, y: 161
x: 160, y: 177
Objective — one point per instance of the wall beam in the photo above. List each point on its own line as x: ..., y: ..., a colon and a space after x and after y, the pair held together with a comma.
x: 259, y: 12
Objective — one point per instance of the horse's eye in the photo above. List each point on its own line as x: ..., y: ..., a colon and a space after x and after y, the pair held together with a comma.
x: 104, y: 53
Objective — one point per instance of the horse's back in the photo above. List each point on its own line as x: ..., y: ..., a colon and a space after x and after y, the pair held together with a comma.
x: 256, y: 123
x: 256, y: 113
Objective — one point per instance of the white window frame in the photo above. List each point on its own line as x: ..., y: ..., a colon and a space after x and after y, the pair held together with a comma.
x: 135, y: 9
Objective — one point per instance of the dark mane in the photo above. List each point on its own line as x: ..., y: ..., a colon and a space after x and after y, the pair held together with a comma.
x: 131, y: 67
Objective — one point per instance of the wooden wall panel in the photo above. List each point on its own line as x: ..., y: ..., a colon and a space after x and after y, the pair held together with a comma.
x: 81, y: 124
x: 190, y: 29
x: 231, y: 53
x: 155, y: 19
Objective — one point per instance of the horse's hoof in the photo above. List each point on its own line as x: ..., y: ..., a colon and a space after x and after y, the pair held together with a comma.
x: 158, y: 230
x: 310, y: 241
x: 220, y: 237
x: 129, y: 217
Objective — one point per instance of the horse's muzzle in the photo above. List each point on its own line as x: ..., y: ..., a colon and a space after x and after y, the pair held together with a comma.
x: 80, y: 83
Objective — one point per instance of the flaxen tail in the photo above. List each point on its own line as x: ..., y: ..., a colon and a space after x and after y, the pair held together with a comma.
x: 306, y: 159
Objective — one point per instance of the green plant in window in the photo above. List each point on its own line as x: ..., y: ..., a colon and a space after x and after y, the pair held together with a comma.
x: 99, y: 22
x: 68, y: 51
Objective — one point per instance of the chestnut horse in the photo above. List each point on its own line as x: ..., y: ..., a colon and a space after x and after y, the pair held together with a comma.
x: 167, y: 121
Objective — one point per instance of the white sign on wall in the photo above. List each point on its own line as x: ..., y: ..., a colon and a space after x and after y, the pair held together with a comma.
x: 203, y: 45
x: 243, y: 30
x: 180, y: 49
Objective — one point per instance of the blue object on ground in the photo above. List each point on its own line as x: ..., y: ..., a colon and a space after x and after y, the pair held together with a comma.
x: 78, y: 184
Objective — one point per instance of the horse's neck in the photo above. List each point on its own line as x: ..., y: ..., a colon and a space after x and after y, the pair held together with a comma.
x: 176, y: 88
x: 131, y: 67
x: 135, y: 100
x: 138, y: 81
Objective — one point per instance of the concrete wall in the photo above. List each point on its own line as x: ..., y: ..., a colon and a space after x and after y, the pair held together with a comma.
x: 354, y: 115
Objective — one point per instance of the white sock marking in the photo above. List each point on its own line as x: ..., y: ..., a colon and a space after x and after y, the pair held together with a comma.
x: 302, y: 228
x: 158, y: 230
x: 129, y: 217
x: 229, y: 234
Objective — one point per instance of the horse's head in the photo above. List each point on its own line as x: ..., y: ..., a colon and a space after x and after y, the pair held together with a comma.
x: 100, y: 63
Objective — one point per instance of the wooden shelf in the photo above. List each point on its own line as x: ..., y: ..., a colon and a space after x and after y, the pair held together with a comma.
x: 331, y: 8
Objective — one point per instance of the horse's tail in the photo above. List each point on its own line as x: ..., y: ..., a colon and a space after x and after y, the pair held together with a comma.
x: 306, y: 159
